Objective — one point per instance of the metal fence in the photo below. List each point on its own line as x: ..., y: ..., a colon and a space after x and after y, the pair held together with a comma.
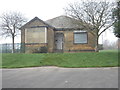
x: 7, y: 48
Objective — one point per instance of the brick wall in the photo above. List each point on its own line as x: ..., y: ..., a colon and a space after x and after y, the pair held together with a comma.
x: 69, y: 45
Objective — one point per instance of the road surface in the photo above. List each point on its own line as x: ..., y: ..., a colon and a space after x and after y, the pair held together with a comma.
x: 55, y: 77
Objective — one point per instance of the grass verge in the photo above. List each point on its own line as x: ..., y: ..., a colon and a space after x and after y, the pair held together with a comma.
x: 74, y: 60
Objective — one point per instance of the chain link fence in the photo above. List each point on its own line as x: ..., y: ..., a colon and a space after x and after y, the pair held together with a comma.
x: 7, y: 48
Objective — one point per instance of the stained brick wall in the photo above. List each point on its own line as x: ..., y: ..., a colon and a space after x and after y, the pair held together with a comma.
x: 50, y: 38
x: 69, y: 45
x: 34, y: 44
x: 33, y: 48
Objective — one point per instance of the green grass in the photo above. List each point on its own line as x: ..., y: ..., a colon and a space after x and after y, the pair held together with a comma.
x: 101, y: 59
x: 21, y: 60
x: 108, y: 50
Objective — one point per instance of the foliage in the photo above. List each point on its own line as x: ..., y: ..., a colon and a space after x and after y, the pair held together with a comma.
x: 36, y: 50
x: 41, y: 50
x: 117, y: 29
x: 94, y: 16
x: 116, y: 15
x: 101, y: 59
x: 100, y: 46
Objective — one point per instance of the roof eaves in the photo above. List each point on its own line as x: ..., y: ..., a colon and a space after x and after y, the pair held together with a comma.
x: 63, y: 29
x: 36, y: 18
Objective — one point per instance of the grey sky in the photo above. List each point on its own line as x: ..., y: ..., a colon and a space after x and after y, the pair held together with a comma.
x: 44, y: 9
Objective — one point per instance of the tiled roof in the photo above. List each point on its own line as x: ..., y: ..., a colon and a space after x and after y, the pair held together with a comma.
x: 59, y: 23
x: 35, y: 18
x: 64, y: 22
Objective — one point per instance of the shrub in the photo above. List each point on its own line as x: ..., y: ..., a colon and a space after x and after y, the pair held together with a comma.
x: 40, y: 50
x: 36, y: 51
x: 43, y: 49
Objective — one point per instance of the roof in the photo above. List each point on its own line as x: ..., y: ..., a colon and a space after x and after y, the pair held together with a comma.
x: 64, y: 22
x: 59, y: 23
x: 35, y: 18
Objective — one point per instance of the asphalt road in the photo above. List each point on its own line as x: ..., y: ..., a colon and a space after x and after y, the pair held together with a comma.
x: 54, y: 77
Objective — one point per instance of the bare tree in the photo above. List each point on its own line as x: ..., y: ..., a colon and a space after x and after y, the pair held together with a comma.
x: 11, y: 22
x: 95, y: 16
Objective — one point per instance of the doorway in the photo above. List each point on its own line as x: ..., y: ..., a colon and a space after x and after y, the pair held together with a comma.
x: 59, y: 37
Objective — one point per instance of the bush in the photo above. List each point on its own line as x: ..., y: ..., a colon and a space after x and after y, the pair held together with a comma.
x: 36, y: 51
x: 100, y: 46
x: 40, y: 50
x: 43, y: 50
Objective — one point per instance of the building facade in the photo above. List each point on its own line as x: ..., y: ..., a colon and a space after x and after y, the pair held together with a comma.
x: 60, y: 34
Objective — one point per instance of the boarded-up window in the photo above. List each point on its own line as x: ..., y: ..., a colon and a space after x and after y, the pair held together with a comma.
x: 36, y: 35
x: 80, y: 37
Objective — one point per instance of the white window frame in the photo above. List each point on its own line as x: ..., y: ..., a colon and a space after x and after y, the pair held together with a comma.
x: 81, y: 32
x: 45, y: 34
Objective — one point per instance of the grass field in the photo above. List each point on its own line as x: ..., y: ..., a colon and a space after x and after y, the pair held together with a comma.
x: 101, y: 59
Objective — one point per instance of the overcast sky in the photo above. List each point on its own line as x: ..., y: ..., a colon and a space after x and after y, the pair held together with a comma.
x: 44, y: 9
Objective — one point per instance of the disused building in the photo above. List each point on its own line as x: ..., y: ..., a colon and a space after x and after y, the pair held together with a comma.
x: 60, y: 34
